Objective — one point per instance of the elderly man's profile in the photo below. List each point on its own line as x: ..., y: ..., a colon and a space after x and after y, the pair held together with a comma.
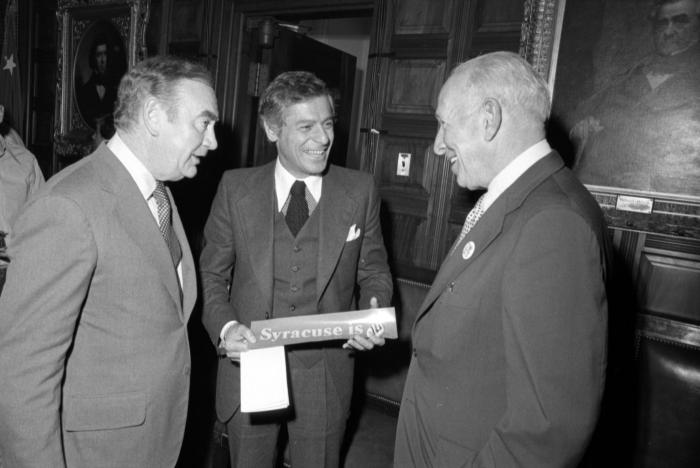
x: 641, y: 128
x: 96, y: 87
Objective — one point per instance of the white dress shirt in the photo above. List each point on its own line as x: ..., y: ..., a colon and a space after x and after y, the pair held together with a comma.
x: 283, y: 184
x: 143, y: 178
x: 514, y: 170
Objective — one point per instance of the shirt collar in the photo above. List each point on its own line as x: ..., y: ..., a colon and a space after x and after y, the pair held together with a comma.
x: 514, y: 170
x: 143, y: 178
x: 284, y: 181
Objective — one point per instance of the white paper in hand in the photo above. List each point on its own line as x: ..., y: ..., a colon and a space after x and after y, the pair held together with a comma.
x: 264, y: 380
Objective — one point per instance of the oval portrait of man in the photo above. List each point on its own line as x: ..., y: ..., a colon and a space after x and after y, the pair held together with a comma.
x: 100, y: 62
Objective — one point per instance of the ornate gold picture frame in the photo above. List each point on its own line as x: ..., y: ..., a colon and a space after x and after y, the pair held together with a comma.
x: 104, y: 35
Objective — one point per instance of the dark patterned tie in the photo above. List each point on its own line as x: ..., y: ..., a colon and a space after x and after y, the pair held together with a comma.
x: 165, y: 222
x: 472, y: 217
x: 298, y: 209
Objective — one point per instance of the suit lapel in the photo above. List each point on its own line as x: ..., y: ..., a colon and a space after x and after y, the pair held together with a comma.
x: 489, y: 227
x: 337, y: 208
x: 483, y: 233
x: 136, y: 219
x: 257, y: 214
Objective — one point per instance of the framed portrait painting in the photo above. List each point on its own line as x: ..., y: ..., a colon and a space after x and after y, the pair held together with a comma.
x: 625, y: 82
x: 99, y: 41
x: 100, y: 62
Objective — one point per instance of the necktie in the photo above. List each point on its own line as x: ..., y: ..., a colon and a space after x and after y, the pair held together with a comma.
x: 165, y: 222
x: 472, y: 217
x: 298, y: 209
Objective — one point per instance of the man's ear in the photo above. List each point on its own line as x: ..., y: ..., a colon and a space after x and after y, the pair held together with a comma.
x: 153, y: 115
x: 272, y: 131
x: 492, y: 122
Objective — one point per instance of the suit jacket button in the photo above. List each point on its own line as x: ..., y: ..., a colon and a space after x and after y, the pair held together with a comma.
x: 295, y: 268
x: 292, y: 307
x: 297, y: 248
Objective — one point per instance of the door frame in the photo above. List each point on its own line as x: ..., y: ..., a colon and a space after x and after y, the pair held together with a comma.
x: 248, y: 13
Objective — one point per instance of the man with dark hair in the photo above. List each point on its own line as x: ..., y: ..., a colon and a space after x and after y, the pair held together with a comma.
x: 97, y: 95
x: 509, y: 345
x: 293, y: 237
x: 94, y: 355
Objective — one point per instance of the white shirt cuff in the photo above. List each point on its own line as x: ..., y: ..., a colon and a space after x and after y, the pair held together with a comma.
x: 225, y: 329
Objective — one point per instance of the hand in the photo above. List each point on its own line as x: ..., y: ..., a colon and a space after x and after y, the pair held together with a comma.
x: 584, y: 129
x: 236, y: 341
x: 374, y: 337
x: 373, y: 303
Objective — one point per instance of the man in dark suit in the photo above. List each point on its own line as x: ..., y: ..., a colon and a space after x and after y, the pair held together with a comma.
x: 97, y: 95
x: 94, y: 354
x: 274, y: 250
x: 509, y: 346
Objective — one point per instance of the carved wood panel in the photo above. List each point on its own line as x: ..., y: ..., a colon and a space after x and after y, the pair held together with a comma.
x: 422, y: 16
x: 668, y: 280
x: 662, y: 274
x: 505, y: 16
x: 413, y: 86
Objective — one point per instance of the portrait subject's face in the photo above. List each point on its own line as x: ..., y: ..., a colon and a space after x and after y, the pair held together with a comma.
x: 676, y: 27
x: 101, y: 58
x: 305, y: 137
x: 459, y: 138
x: 189, y: 134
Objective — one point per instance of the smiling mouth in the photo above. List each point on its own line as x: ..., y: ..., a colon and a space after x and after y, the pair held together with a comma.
x: 315, y: 152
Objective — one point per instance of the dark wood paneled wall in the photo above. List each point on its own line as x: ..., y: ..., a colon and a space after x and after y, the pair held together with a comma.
x: 417, y: 43
x: 664, y: 271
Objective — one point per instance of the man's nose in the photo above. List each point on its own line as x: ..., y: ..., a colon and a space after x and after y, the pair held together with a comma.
x: 670, y: 28
x: 322, y: 134
x: 439, y: 144
x: 210, y: 139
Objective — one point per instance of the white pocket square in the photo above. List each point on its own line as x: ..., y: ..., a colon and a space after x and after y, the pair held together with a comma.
x: 353, y: 233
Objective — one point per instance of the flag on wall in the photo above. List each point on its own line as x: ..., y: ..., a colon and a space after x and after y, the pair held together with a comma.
x: 10, y: 82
